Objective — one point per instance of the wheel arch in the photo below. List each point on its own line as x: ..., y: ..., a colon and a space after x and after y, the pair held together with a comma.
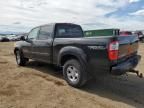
x: 71, y: 53
x: 15, y: 49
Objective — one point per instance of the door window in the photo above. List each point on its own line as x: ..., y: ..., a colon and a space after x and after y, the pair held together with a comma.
x: 33, y: 34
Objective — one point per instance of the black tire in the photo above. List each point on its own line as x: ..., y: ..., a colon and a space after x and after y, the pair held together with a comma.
x: 20, y: 59
x: 79, y: 75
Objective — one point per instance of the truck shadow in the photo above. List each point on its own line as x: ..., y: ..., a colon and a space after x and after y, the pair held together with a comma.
x: 129, y: 90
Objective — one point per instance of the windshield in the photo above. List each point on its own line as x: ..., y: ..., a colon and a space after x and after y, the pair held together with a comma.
x: 68, y: 31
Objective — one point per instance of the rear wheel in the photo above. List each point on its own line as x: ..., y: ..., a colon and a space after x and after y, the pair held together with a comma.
x: 74, y: 73
x: 21, y: 61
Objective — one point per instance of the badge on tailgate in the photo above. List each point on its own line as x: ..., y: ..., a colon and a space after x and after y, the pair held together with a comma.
x: 96, y: 47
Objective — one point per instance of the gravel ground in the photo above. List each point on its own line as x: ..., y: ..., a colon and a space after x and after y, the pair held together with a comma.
x: 39, y: 85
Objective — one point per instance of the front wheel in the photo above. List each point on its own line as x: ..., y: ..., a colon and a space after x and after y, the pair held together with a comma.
x: 74, y: 73
x: 21, y: 61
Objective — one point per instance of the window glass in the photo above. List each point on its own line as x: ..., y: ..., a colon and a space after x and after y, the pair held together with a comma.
x: 69, y: 31
x: 33, y: 34
x: 45, y: 32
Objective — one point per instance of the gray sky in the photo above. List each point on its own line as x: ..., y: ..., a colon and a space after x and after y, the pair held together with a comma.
x: 22, y: 15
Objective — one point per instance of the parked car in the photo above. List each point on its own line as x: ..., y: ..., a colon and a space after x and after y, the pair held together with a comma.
x: 140, y: 35
x: 0, y: 38
x: 11, y: 37
x: 125, y: 33
x: 64, y: 45
x: 4, y: 39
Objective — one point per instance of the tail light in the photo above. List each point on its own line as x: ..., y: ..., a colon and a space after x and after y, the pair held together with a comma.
x: 113, y: 50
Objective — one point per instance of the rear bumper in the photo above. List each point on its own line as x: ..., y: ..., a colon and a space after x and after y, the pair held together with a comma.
x: 126, y: 66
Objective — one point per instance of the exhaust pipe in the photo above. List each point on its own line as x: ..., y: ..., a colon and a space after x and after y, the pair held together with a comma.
x: 140, y: 75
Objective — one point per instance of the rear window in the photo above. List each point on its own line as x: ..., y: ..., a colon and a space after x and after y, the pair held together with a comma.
x: 68, y: 31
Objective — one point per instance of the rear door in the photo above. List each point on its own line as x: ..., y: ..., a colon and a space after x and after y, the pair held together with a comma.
x: 128, y: 46
x: 42, y: 46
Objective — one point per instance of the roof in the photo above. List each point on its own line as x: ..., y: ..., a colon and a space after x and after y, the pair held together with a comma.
x: 58, y: 23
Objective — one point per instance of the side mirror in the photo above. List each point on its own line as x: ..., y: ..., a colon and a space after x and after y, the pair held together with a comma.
x: 22, y: 38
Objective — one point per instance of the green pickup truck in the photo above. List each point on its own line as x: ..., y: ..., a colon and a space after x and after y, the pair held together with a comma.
x: 101, y: 32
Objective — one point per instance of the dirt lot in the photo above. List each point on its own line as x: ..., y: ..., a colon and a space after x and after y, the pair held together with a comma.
x: 38, y: 85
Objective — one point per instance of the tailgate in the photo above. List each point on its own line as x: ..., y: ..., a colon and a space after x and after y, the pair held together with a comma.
x: 128, y: 45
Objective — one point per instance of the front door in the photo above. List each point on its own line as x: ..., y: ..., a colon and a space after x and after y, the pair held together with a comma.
x: 42, y: 46
x: 27, y: 47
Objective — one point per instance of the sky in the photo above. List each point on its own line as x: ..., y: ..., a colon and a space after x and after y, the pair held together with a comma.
x: 22, y: 15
